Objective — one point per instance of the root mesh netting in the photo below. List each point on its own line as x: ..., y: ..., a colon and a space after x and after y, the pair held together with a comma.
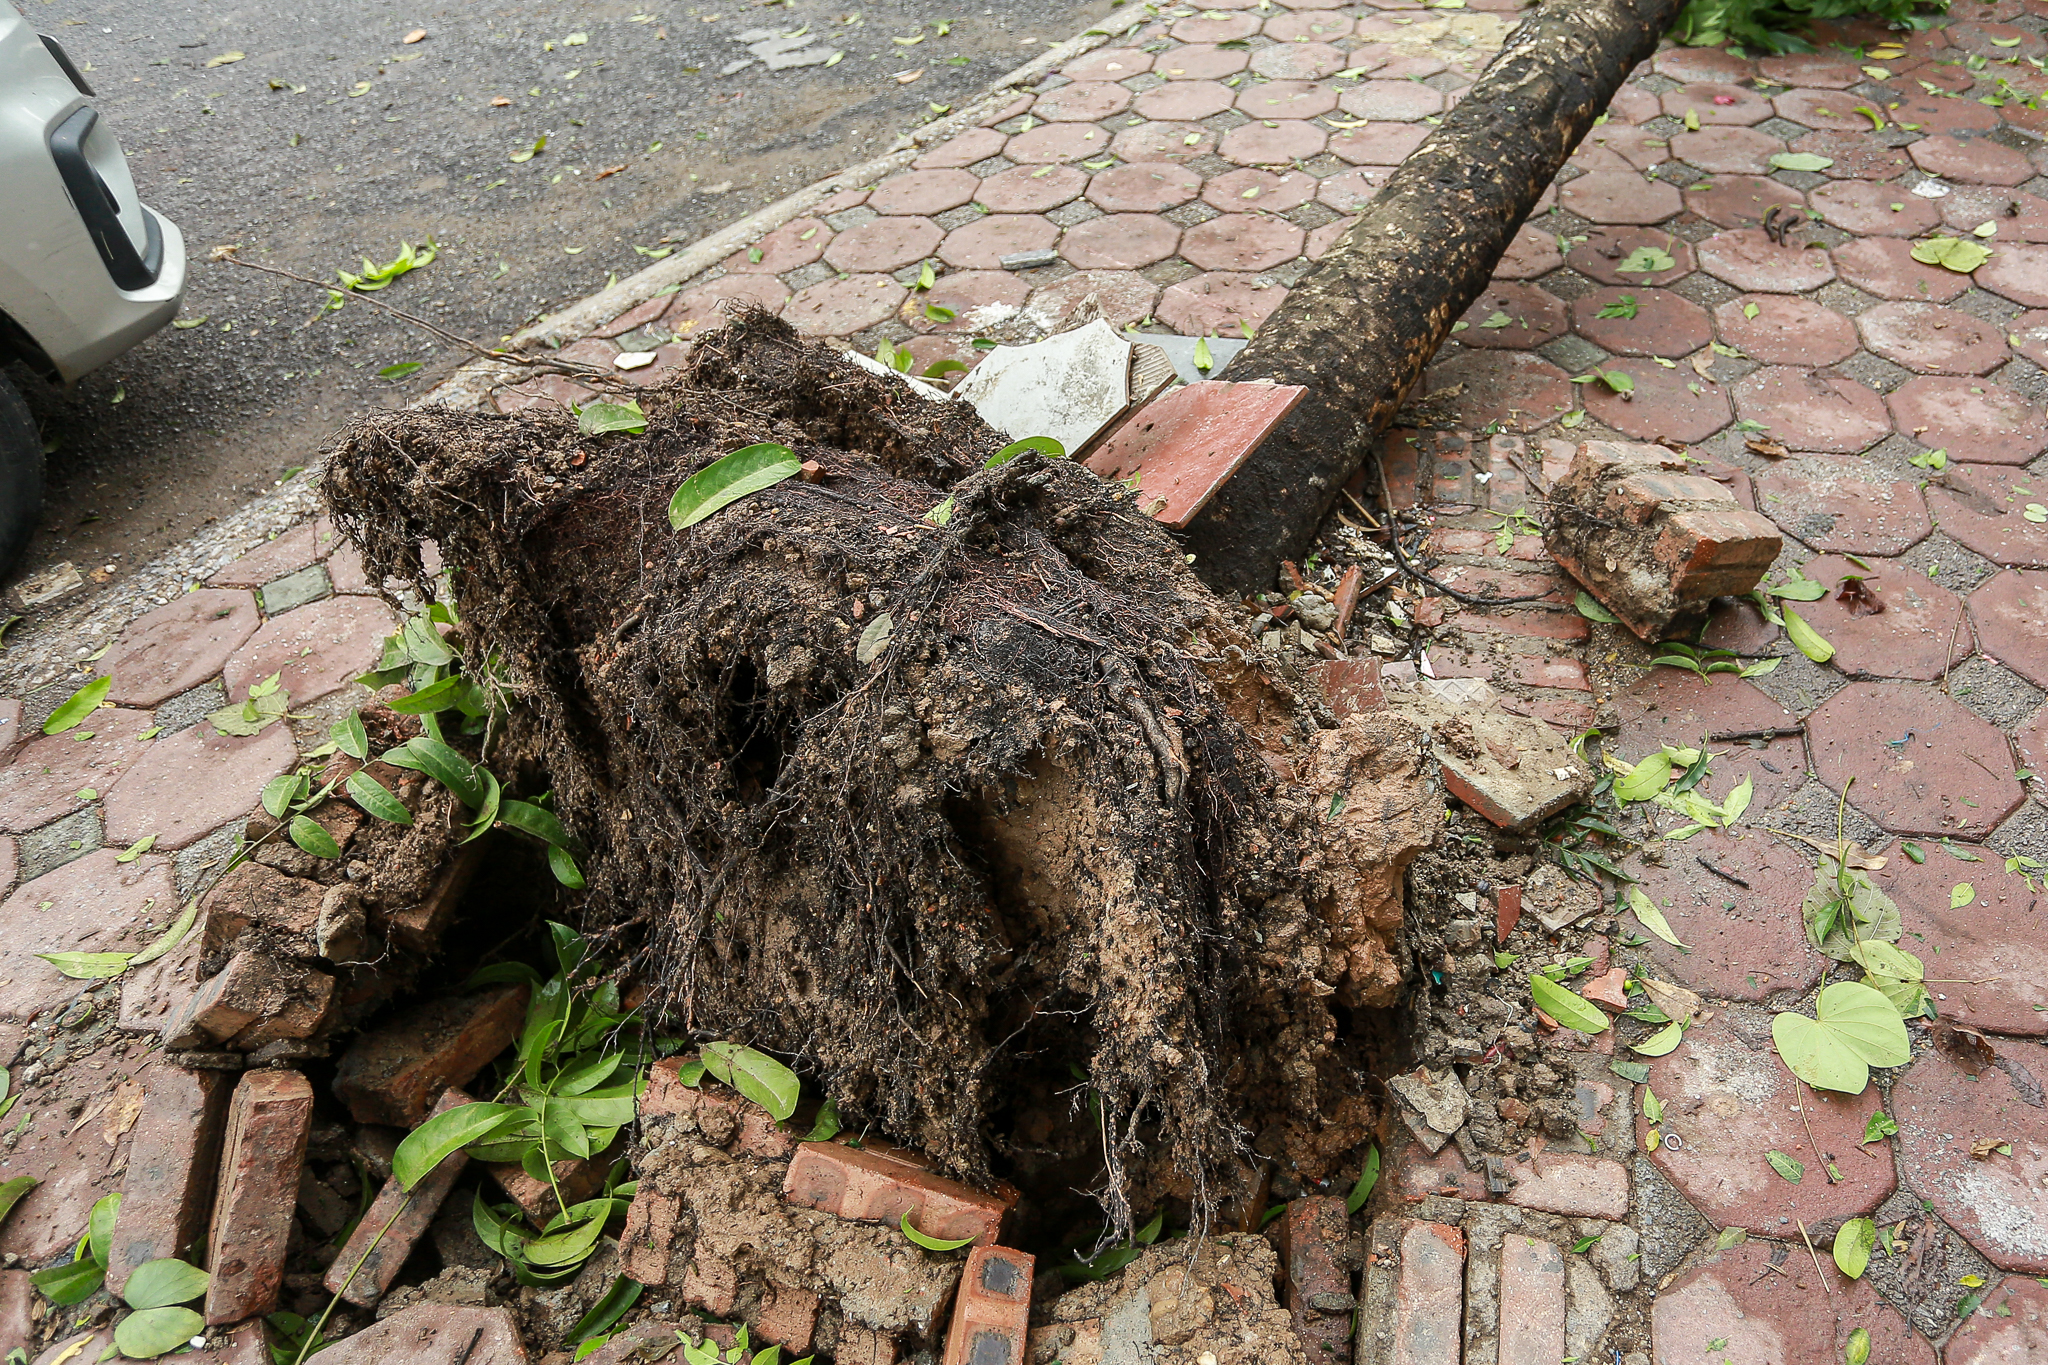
x: 1028, y: 848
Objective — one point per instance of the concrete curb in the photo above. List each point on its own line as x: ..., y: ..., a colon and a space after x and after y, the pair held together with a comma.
x: 470, y: 386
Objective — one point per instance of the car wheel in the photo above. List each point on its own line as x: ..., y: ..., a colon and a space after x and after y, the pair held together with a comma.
x: 21, y: 476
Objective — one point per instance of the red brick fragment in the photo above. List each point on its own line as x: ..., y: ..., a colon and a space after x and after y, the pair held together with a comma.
x: 392, y: 1074
x: 1609, y: 991
x: 255, y: 999
x: 649, y: 1236
x: 992, y: 1312
x: 1507, y: 912
x: 434, y: 1334
x: 866, y: 1185
x: 1318, y: 1282
x: 389, y: 1229
x: 721, y: 1115
x: 859, y: 1346
x: 269, y: 1120
x: 173, y: 1162
x: 17, y: 1306
x: 787, y: 1317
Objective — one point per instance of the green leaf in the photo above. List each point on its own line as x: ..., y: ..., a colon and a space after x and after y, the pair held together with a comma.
x: 171, y: 937
x: 827, y: 1126
x: 930, y: 1243
x: 99, y: 1226
x: 377, y: 799
x: 756, y: 1075
x: 1367, y: 1179
x: 1801, y: 161
x: 1951, y: 253
x: 1828, y: 916
x: 1739, y: 799
x: 488, y: 810
x: 1052, y: 450
x: 602, y: 416
x: 1888, y: 959
x: 426, y: 1146
x: 12, y: 1192
x: 1759, y: 668
x: 1650, y: 917
x: 279, y: 793
x: 562, y: 863
x: 1568, y: 1008
x: 444, y: 695
x: 570, y: 1246
x: 1646, y: 260
x: 1857, y: 1029
x: 71, y: 1283
x: 444, y: 765
x: 401, y: 369
x: 1806, y: 638
x: 1960, y: 895
x: 623, y: 1294
x: 159, y: 1284
x: 78, y: 706
x: 1646, y: 779
x: 528, y: 818
x: 350, y: 737
x: 1660, y: 1042
x: 1853, y: 1245
x: 157, y: 1331
x: 729, y: 478
x: 88, y: 966
x: 1591, y: 609
x: 311, y: 836
x: 1856, y: 1350
x: 1790, y: 1167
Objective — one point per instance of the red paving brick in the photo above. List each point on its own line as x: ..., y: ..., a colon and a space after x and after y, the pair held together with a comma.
x: 1514, y: 316
x: 1972, y: 161
x: 1081, y: 102
x: 179, y: 646
x: 992, y: 1312
x: 1727, y: 150
x: 1714, y: 103
x: 1751, y: 261
x: 189, y: 784
x: 89, y: 905
x: 1532, y: 253
x: 2014, y: 214
x: 869, y: 1187
x: 435, y: 1334
x: 1239, y: 241
x: 1921, y: 632
x: 1764, y: 1303
x: 318, y: 648
x: 2019, y: 271
x: 288, y: 552
x: 1571, y: 1183
x: 1973, y: 419
x: 1744, y: 945
x: 1184, y: 445
x: 1381, y: 144
x: 48, y: 775
x: 269, y: 1118
x: 1218, y: 303
x: 1976, y: 955
x: 1680, y: 708
x: 1199, y: 62
x: 1915, y: 754
x: 2010, y: 1327
x: 1837, y: 505
x: 1663, y: 323
x: 1874, y: 210
x: 394, y: 1073
x: 1884, y: 266
x: 1741, y: 201
x: 1428, y: 1294
x: 1664, y: 405
x: 796, y: 243
x: 1778, y: 330
x: 1172, y: 142
x: 706, y: 308
x: 2000, y: 1203
x: 1264, y: 191
x: 2011, y: 614
x: 173, y: 1160
x: 1614, y: 197
x: 1985, y: 508
x: 1929, y: 339
x: 1123, y: 241
x: 1606, y: 250
x: 1810, y: 410
x: 1288, y: 99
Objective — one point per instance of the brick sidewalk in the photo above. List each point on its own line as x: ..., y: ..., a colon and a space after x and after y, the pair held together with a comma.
x: 1186, y: 179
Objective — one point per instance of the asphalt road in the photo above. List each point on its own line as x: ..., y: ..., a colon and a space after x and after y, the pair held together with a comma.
x: 313, y: 135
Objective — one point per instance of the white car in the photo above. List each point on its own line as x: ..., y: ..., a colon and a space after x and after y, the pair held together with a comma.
x: 86, y: 269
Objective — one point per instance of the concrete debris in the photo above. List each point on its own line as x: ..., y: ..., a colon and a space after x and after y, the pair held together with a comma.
x: 1514, y: 770
x: 1069, y: 386
x: 1655, y: 544
x: 1168, y: 1307
x: 782, y: 50
x: 1440, y: 1100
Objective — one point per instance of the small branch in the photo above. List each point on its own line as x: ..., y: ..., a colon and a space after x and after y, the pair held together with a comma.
x: 1768, y: 732
x: 1724, y: 876
x: 1469, y: 598
x: 1816, y: 1257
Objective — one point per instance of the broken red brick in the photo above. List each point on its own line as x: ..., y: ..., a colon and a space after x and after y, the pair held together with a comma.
x: 992, y: 1312
x: 394, y: 1073
x: 714, y: 1288
x: 1185, y: 445
x: 866, y: 1186
x: 1507, y: 912
x: 269, y: 1120
x: 723, y: 1116
x: 1654, y: 544
x: 1318, y: 1282
x: 17, y: 1294
x: 1609, y: 990
x: 393, y: 1224
x: 649, y: 1236
x: 787, y: 1317
x: 173, y: 1162
x: 859, y: 1346
x: 434, y: 1334
x: 253, y: 1000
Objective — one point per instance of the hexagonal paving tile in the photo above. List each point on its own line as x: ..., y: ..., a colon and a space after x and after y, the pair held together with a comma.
x: 976, y: 144
x: 1922, y: 631
x: 92, y: 904
x: 1178, y: 142
x: 1382, y: 144
x: 1081, y: 102
x: 1518, y: 389
x: 1514, y: 317
x: 1534, y: 252
x: 1717, y: 103
x: 1884, y: 266
x: 1122, y: 241
x: 2015, y: 214
x: 1811, y: 70
x: 1808, y: 410
x: 796, y: 243
x: 884, y: 244
x: 287, y: 553
x: 1739, y: 201
x: 2011, y: 613
x: 1605, y: 250
x: 1395, y: 101
x: 982, y: 244
x: 1923, y: 765
x: 2029, y: 336
x: 2001, y: 1202
x: 1727, y: 150
x: 1056, y: 142
x: 1202, y: 62
x: 1226, y: 28
x: 1665, y: 405
x: 1031, y: 189
x: 837, y: 308
x: 1641, y: 321
x: 1781, y: 330
x: 1929, y: 339
x: 1755, y: 264
x: 180, y: 645
x: 1973, y: 161
x: 1110, y: 64
x: 1265, y: 191
x: 1730, y: 1100
x: 1671, y: 706
x: 1273, y: 142
x: 706, y: 308
x: 1973, y: 419
x: 1874, y: 210
x: 1301, y: 62
x: 1312, y: 27
x: 1759, y: 1302
x: 317, y: 648
x: 978, y: 300
x: 191, y: 783
x: 1980, y: 953
x: 1702, y: 64
x: 1929, y: 114
x: 1830, y: 109
x: 1124, y: 297
x: 2019, y: 271
x: 1616, y: 197
x: 47, y: 775
x: 1287, y: 99
x: 2000, y: 42
x: 1854, y: 155
x: 2010, y: 1327
x: 1184, y: 101
x: 1632, y: 148
x: 1218, y: 303
x: 1985, y: 507
x: 1241, y: 241
x: 1147, y: 187
x: 924, y: 193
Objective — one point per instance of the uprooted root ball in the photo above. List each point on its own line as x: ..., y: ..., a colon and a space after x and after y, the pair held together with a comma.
x: 1024, y: 836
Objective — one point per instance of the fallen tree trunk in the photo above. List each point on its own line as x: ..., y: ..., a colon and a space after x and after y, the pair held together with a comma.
x: 1361, y: 326
x: 994, y: 821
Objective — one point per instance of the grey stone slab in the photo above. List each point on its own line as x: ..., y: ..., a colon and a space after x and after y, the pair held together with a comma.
x: 309, y: 584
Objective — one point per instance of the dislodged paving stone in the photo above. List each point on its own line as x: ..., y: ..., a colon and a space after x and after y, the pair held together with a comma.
x: 269, y: 1118
x: 1183, y: 446
x: 435, y: 1334
x: 1745, y: 943
x: 1730, y: 1100
x: 48, y: 777
x: 173, y: 1163
x: 394, y: 1074
x: 1999, y: 1201
x: 2011, y: 613
x: 317, y: 649
x: 177, y: 647
x: 2009, y: 1327
x: 991, y: 1312
x: 1414, y: 1295
x: 1972, y: 419
x: 1570, y: 1183
x: 1838, y: 505
x: 1762, y: 1303
x: 1918, y: 635
x: 870, y: 1186
x: 1978, y: 955
x: 188, y: 784
x: 1922, y: 763
x: 95, y: 904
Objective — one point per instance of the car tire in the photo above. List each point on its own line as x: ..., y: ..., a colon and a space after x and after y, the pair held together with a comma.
x: 21, y: 476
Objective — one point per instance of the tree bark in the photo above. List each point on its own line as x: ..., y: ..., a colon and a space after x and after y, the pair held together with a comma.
x: 1360, y: 327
